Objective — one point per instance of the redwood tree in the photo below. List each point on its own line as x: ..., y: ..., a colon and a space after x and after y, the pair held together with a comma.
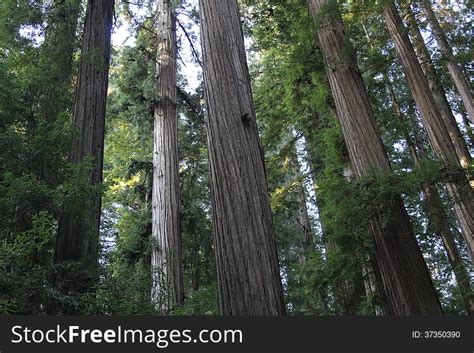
x: 244, y: 241
x: 459, y: 191
x: 436, y: 211
x: 78, y: 233
x: 437, y: 89
x: 460, y: 81
x: 404, y: 273
x: 166, y: 258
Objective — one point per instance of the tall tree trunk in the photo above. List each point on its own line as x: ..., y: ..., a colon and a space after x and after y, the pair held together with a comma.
x: 437, y: 213
x: 78, y: 233
x: 195, y: 261
x: 55, y: 95
x: 304, y: 224
x: 168, y: 287
x: 437, y: 89
x: 59, y: 45
x: 461, y: 83
x: 244, y: 239
x: 467, y: 126
x: 306, y: 247
x: 460, y: 192
x: 403, y: 270
x: 302, y: 217
x: 194, y: 235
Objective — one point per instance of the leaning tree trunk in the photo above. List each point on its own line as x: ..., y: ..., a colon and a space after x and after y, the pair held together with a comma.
x: 440, y: 218
x: 168, y: 288
x: 244, y: 240
x: 78, y: 232
x: 404, y: 273
x: 460, y: 191
x: 437, y: 89
x: 437, y: 213
x: 467, y: 126
x: 461, y: 83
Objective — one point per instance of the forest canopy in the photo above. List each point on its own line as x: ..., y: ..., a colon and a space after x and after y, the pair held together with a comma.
x: 251, y: 157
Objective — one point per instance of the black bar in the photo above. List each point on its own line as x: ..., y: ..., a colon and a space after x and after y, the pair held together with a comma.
x: 447, y: 334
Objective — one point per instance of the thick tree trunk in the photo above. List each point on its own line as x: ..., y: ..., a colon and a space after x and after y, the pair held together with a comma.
x: 78, y: 233
x: 404, y: 273
x: 438, y: 92
x: 460, y: 192
x: 168, y: 288
x: 244, y: 239
x: 437, y: 213
x: 461, y: 83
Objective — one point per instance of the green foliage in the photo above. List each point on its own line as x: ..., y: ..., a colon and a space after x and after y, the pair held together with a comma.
x: 25, y: 264
x: 202, y: 302
x: 305, y: 155
x: 128, y: 175
x: 125, y: 290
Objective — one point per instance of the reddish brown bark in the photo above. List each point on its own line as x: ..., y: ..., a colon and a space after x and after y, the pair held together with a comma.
x: 78, y: 233
x: 244, y: 239
x: 460, y: 81
x: 460, y: 191
x: 406, y: 279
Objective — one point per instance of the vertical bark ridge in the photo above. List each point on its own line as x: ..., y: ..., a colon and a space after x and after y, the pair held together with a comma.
x: 168, y: 287
x: 404, y: 273
x: 247, y: 264
x: 461, y: 83
x: 437, y: 213
x: 78, y: 233
x: 460, y: 192
x: 437, y: 89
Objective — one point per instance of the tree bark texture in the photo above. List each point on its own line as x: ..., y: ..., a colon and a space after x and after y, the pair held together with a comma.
x: 404, y: 273
x: 467, y: 126
x: 461, y: 83
x: 244, y: 239
x: 460, y: 192
x: 168, y: 287
x: 78, y: 233
x: 438, y: 91
x: 437, y: 213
